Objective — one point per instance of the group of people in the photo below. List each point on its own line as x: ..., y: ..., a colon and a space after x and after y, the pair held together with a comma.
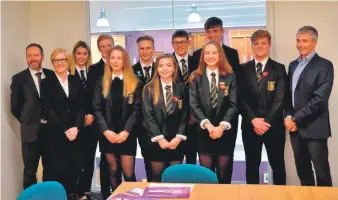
x: 179, y: 106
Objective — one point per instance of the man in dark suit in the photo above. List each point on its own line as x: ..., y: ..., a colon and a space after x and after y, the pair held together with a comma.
x: 262, y: 97
x: 180, y: 42
x: 27, y: 107
x: 105, y: 43
x: 144, y: 69
x: 214, y: 31
x: 307, y: 115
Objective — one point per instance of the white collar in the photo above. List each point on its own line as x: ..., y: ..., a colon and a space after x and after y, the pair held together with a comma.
x: 263, y: 61
x: 179, y: 58
x: 60, y: 77
x: 33, y: 72
x: 209, y: 71
x: 121, y: 76
x: 104, y: 60
x: 144, y: 65
x: 163, y: 85
x: 79, y: 69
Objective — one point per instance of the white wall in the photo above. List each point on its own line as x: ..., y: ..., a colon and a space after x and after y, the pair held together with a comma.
x: 51, y: 24
x: 284, y: 19
x: 14, y: 38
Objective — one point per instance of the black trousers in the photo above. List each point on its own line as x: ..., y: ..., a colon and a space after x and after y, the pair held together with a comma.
x: 88, y: 144
x: 31, y: 152
x: 68, y: 178
x: 104, y: 177
x: 229, y: 169
x: 308, y: 152
x: 274, y: 141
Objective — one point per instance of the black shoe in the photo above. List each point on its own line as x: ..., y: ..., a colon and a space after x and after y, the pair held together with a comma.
x: 90, y: 196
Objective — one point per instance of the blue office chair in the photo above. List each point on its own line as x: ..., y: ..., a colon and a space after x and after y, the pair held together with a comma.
x: 188, y: 173
x: 50, y: 190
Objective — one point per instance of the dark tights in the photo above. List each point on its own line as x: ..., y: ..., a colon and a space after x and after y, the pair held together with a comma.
x: 158, y: 168
x: 218, y: 163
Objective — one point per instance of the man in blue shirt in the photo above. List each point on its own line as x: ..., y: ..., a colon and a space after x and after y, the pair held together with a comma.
x: 307, y: 113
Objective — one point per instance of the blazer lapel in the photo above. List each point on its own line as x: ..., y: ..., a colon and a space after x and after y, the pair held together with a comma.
x: 139, y: 71
x: 175, y: 94
x: 220, y: 93
x: 161, y: 102
x: 206, y: 89
x: 253, y: 75
x: 263, y: 81
x: 31, y: 82
x: 306, y: 69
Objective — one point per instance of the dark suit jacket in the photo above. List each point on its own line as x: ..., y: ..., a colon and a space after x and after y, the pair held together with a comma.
x: 230, y: 53
x: 103, y: 109
x: 155, y: 116
x: 191, y: 67
x: 313, y: 89
x: 94, y: 72
x: 25, y: 103
x: 87, y: 96
x: 265, y: 99
x: 139, y: 72
x: 200, y: 100
x: 64, y: 112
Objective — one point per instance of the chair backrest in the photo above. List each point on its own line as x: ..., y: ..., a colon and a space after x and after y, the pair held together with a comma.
x: 188, y: 173
x: 50, y: 190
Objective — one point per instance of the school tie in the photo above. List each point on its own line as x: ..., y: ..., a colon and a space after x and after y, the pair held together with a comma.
x: 259, y: 71
x: 83, y: 79
x: 147, y: 75
x: 184, y: 69
x: 39, y: 74
x: 213, y: 91
x: 168, y: 97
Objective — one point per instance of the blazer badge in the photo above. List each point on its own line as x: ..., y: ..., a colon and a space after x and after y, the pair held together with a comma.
x: 179, y: 104
x: 271, y: 85
x: 226, y: 91
x: 130, y: 98
x: 222, y: 85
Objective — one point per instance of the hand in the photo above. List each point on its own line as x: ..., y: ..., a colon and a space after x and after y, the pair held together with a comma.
x: 111, y: 136
x: 164, y: 144
x: 89, y: 119
x: 260, y: 125
x: 217, y: 133
x: 294, y: 129
x: 175, y: 142
x: 289, y: 124
x: 209, y: 127
x: 72, y: 133
x: 121, y: 137
x: 258, y: 131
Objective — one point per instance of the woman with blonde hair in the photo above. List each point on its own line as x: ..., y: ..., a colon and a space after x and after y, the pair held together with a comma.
x: 213, y: 101
x: 63, y: 96
x: 117, y: 104
x: 165, y: 107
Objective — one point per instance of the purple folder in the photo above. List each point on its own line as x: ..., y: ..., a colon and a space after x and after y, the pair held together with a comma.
x: 129, y: 197
x: 167, y: 192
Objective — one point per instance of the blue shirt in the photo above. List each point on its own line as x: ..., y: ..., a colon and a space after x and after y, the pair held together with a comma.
x: 302, y: 63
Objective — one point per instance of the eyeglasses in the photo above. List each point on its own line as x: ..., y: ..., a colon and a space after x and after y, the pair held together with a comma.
x: 62, y: 60
x: 176, y: 43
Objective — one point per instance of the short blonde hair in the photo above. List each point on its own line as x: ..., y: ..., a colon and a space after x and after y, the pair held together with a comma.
x: 57, y: 51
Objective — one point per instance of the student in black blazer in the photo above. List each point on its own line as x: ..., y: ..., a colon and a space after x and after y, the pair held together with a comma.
x: 105, y: 43
x: 214, y: 31
x: 26, y: 106
x: 117, y: 104
x: 213, y: 101
x: 307, y: 114
x: 80, y: 60
x: 144, y: 69
x: 63, y: 95
x: 262, y: 98
x: 164, y: 107
x: 180, y: 42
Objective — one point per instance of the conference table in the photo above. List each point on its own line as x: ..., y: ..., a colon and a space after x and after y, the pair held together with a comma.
x: 247, y: 192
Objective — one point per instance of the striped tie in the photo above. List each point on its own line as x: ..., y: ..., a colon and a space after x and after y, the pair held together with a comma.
x: 168, y: 98
x: 83, y: 80
x: 259, y: 72
x: 184, y: 70
x: 147, y: 75
x: 213, y: 91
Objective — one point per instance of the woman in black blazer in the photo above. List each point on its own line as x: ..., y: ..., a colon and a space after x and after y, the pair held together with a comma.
x: 164, y: 107
x: 62, y: 96
x: 213, y: 101
x: 80, y: 60
x: 117, y: 104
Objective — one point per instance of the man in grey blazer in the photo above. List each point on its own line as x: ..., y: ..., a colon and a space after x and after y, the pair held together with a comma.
x: 307, y: 113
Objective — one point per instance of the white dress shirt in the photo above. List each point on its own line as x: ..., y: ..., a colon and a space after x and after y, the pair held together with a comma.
x: 78, y: 69
x: 179, y: 58
x: 224, y: 124
x: 64, y: 84
x: 35, y: 78
x: 263, y: 63
x: 156, y: 138
x: 150, y: 70
x: 121, y: 76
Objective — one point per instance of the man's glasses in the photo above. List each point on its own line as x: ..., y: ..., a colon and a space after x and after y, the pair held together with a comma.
x: 177, y: 43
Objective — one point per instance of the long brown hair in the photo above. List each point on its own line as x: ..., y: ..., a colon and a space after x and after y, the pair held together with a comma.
x: 129, y: 79
x: 224, y: 67
x: 72, y: 57
x: 155, y: 84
